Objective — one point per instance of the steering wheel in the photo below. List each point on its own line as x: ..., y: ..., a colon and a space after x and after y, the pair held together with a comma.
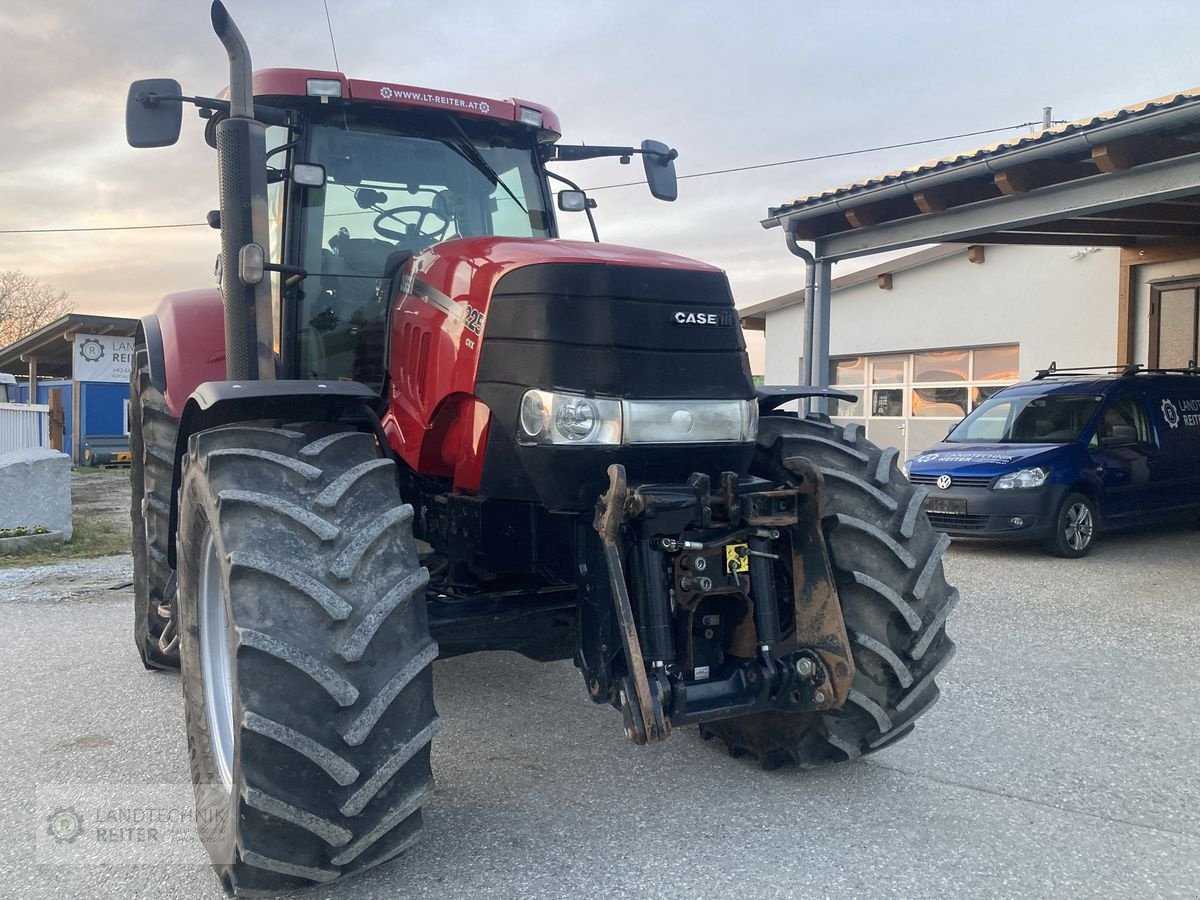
x: 414, y: 230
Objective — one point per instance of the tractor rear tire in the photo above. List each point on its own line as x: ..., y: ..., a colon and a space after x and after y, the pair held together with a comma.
x: 307, y: 681
x: 152, y: 431
x: 887, y: 562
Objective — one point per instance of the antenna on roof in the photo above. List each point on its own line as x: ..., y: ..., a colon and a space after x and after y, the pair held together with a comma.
x: 332, y: 42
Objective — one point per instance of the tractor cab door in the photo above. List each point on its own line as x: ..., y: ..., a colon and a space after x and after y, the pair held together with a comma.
x: 388, y: 195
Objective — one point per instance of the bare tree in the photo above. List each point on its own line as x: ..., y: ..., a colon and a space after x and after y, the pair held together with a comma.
x: 26, y: 305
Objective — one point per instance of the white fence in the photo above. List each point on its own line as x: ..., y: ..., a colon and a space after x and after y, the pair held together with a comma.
x: 23, y: 426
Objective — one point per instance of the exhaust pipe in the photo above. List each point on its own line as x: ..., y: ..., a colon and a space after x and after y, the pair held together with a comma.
x: 242, y: 170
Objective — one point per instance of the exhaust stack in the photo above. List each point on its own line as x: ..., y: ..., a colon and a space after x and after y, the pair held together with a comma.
x: 242, y: 169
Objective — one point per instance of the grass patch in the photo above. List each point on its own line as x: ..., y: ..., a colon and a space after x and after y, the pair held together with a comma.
x: 88, y: 539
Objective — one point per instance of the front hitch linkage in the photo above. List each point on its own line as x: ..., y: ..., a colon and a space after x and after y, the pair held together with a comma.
x: 642, y: 707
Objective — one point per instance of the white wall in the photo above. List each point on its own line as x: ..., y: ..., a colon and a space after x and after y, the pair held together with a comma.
x: 1054, y: 306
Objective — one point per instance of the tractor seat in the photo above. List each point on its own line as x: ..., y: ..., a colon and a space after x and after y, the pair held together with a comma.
x: 365, y: 256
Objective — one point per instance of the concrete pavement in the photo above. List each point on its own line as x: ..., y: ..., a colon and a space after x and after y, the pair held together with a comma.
x: 1061, y: 760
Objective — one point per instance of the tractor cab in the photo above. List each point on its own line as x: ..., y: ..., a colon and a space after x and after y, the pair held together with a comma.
x: 363, y: 175
x: 394, y: 183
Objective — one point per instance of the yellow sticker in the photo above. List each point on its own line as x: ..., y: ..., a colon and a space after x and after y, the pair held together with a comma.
x: 737, y: 557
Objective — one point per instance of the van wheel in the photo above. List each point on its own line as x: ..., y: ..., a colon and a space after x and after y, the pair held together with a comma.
x: 1074, y: 527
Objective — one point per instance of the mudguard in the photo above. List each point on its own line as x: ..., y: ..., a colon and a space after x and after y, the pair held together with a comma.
x: 216, y: 403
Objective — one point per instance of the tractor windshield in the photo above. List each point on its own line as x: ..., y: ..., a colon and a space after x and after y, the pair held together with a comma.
x: 388, y: 194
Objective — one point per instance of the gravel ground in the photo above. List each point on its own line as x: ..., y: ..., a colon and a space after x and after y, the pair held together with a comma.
x: 1060, y: 761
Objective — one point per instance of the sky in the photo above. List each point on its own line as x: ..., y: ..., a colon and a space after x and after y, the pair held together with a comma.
x: 726, y: 84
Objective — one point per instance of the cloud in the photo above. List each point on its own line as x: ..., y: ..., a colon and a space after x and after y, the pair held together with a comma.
x: 724, y: 86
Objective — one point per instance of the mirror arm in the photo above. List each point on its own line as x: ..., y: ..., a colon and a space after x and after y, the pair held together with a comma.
x: 295, y: 274
x: 265, y: 114
x: 571, y: 153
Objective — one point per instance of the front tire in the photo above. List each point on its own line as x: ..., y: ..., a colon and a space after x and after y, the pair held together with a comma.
x: 305, y: 653
x: 887, y: 562
x: 1074, y: 527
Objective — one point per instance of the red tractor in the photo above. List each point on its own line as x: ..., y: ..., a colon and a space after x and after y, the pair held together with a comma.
x: 414, y: 423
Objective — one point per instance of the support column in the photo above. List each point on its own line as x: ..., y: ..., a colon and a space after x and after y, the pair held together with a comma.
x: 32, y: 398
x: 819, y: 370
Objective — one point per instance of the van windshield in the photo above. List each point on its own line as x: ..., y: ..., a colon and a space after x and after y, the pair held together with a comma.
x: 1027, y: 419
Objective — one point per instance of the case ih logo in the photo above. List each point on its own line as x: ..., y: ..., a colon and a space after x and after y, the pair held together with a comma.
x: 720, y: 319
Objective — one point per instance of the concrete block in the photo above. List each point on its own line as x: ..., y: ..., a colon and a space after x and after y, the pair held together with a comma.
x: 35, y: 489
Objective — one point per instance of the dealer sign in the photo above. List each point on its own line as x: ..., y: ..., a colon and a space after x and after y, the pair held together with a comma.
x: 102, y: 357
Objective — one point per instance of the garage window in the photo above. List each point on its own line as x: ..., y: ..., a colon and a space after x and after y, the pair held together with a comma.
x: 911, y: 400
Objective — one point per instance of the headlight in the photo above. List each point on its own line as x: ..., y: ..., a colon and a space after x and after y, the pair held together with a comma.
x: 699, y: 421
x: 1026, y: 478
x: 550, y: 418
x: 547, y: 417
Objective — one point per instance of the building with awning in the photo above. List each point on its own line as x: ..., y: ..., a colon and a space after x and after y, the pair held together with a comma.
x: 87, y: 359
x: 1078, y: 244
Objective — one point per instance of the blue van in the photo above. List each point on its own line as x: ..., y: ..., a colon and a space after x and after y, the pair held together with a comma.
x: 1067, y: 454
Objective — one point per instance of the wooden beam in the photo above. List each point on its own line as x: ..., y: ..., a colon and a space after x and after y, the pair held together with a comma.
x: 56, y: 419
x: 939, y: 199
x: 976, y: 254
x: 1125, y: 313
x: 1118, y: 156
x: 875, y: 213
x: 884, y: 281
x: 754, y: 323
x: 811, y: 229
x: 1030, y: 176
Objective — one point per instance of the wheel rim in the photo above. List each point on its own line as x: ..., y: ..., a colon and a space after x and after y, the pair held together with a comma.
x: 216, y: 666
x: 1078, y: 530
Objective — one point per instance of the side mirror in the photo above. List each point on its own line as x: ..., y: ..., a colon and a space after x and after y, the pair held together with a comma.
x: 659, y: 160
x: 153, y: 113
x: 575, y: 201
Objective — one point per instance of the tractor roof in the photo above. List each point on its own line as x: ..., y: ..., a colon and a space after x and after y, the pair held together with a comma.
x: 312, y: 82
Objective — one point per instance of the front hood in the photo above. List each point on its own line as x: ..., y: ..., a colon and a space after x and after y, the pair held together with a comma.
x: 980, y: 459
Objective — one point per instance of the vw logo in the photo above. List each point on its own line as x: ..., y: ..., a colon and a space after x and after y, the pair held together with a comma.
x: 944, y: 481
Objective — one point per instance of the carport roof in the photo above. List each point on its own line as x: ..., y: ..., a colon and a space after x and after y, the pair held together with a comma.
x: 51, y: 344
x: 1122, y: 178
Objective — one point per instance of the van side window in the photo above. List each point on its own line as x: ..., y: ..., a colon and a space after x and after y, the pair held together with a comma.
x: 1124, y: 422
